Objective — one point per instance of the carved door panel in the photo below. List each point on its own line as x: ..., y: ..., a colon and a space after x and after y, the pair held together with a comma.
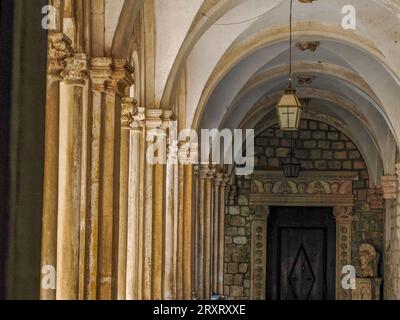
x: 301, y: 254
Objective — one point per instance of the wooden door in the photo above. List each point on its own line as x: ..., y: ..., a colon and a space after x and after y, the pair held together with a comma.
x: 301, y: 254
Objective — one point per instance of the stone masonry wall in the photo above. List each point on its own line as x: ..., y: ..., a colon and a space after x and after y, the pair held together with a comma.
x: 318, y: 147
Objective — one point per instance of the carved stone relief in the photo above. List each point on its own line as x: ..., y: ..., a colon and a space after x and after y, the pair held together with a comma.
x: 369, y: 259
x: 258, y: 257
x: 324, y: 189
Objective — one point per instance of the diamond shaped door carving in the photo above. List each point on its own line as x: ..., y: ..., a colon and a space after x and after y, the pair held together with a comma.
x: 301, y: 277
x: 301, y: 253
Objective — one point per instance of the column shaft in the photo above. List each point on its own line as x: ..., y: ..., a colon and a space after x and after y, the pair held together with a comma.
x: 132, y: 264
x: 200, y: 236
x: 207, y: 239
x: 221, y: 238
x: 180, y: 269
x: 170, y: 248
x: 109, y: 210
x: 59, y: 49
x: 148, y: 233
x: 69, y: 191
x: 94, y: 171
x: 123, y: 214
x: 188, y: 234
x: 216, y: 230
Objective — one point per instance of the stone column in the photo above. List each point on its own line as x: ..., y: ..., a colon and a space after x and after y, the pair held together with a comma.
x: 180, y: 270
x: 120, y: 79
x: 109, y: 80
x: 196, y: 230
x: 224, y: 184
x: 59, y: 49
x: 171, y: 212
x: 201, y: 229
x: 185, y: 267
x: 188, y: 219
x: 208, y: 233
x: 132, y: 126
x: 99, y: 71
x: 215, y: 234
x: 133, y: 120
x: 344, y: 219
x: 390, y: 190
x: 153, y: 206
x: 127, y: 106
x: 69, y: 177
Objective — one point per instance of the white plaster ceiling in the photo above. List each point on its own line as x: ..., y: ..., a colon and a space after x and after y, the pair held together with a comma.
x: 223, y: 46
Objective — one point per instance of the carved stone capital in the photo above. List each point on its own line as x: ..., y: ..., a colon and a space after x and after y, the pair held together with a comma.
x: 111, y: 75
x: 75, y: 68
x: 389, y: 187
x: 121, y: 77
x: 219, y: 179
x: 132, y: 116
x: 59, y: 49
x: 343, y: 213
x: 154, y: 119
x: 99, y: 72
x: 206, y: 171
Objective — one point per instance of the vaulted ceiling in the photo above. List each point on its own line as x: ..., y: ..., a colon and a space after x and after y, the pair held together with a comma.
x: 234, y: 57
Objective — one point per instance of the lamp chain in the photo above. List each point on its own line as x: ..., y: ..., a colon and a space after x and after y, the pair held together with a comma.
x: 290, y: 48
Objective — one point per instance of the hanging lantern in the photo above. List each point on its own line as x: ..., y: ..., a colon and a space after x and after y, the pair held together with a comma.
x: 289, y: 107
x: 289, y: 111
x: 291, y: 166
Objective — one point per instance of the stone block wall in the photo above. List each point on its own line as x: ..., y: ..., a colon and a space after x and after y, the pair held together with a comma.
x: 319, y: 147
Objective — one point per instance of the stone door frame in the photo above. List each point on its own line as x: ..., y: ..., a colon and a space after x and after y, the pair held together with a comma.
x: 312, y: 188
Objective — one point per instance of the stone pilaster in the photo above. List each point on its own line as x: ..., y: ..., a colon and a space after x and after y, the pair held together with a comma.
x: 69, y: 177
x: 154, y: 205
x: 99, y: 72
x: 216, y: 230
x: 59, y: 48
x: 201, y: 230
x: 223, y: 183
x: 196, y: 231
x: 390, y: 188
x: 120, y: 79
x: 344, y: 219
x: 395, y: 242
x: 133, y: 118
x: 171, y: 209
x: 127, y: 219
x: 109, y: 80
x: 208, y: 232
x: 188, y: 235
x: 259, y: 235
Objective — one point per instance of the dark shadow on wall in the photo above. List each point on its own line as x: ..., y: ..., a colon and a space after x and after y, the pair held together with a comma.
x: 23, y: 75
